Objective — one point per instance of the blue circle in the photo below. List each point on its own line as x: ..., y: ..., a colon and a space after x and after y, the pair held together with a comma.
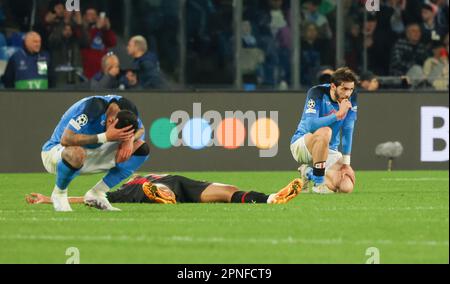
x: 197, y: 133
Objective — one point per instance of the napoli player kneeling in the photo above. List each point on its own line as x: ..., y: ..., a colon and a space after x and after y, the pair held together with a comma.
x: 97, y: 134
x: 330, y: 111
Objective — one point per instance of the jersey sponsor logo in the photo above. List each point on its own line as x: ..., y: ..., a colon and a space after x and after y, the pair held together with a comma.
x: 355, y: 108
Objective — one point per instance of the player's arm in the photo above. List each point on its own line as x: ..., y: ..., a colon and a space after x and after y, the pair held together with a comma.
x: 348, y: 128
x: 347, y: 139
x: 313, y: 120
x: 37, y: 198
x: 71, y: 138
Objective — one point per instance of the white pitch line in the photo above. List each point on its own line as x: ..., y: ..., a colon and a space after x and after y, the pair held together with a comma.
x: 189, y: 239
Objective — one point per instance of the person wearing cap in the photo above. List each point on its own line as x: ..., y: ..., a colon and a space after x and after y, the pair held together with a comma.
x: 97, y: 134
x: 368, y: 81
x: 428, y: 25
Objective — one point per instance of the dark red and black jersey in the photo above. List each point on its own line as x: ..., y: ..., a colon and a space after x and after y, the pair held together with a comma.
x: 186, y: 190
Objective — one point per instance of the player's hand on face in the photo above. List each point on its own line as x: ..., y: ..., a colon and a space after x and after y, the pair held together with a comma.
x: 120, y: 135
x: 344, y: 107
x: 125, y: 151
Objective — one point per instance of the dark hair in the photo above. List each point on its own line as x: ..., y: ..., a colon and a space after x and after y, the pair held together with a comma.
x: 127, y: 118
x: 125, y: 104
x: 343, y: 74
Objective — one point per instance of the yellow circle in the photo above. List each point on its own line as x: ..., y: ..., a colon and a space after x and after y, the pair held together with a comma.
x: 265, y: 133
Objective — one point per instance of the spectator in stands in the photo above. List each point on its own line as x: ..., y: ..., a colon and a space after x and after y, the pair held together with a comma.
x: 28, y: 68
x: 436, y: 68
x: 390, y: 16
x: 379, y: 44
x: 146, y: 63
x: 428, y: 26
x: 354, y: 46
x: 108, y: 78
x: 129, y: 81
x: 311, y: 14
x: 314, y: 53
x: 268, y: 22
x: 64, y: 44
x: 369, y: 82
x: 324, y: 75
x: 442, y: 17
x: 101, y: 38
x: 408, y: 52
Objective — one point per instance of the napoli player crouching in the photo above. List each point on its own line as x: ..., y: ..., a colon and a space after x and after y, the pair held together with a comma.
x: 97, y: 134
x: 330, y: 111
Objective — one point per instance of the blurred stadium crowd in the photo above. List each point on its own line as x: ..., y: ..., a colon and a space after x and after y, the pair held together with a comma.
x: 405, y: 45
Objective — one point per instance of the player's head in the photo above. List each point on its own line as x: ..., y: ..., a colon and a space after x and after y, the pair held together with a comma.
x: 116, y: 106
x: 343, y: 82
x: 126, y: 118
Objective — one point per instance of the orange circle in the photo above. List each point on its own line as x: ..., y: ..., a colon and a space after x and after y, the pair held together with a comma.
x: 231, y: 133
x: 265, y: 133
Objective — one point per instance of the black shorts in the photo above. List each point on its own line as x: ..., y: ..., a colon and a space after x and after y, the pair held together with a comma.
x: 186, y: 190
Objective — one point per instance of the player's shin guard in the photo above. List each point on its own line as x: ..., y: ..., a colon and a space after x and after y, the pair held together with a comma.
x: 249, y: 197
x: 65, y: 173
x: 123, y: 170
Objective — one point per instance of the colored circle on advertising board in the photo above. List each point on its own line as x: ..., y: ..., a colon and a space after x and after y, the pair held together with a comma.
x: 231, y: 133
x: 197, y: 133
x: 163, y: 134
x: 265, y: 133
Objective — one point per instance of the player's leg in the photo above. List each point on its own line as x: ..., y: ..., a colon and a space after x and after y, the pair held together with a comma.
x: 66, y: 163
x: 317, y: 145
x: 96, y: 196
x: 222, y: 193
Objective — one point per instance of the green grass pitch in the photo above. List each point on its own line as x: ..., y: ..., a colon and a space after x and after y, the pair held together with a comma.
x: 405, y: 215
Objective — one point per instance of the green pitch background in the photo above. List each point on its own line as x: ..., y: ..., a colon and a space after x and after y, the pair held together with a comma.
x: 403, y: 214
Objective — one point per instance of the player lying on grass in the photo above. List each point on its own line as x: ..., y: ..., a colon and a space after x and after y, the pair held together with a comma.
x: 330, y: 111
x: 172, y: 189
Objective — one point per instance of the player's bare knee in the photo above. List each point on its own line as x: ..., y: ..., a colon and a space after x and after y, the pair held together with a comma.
x: 324, y: 133
x: 75, y: 156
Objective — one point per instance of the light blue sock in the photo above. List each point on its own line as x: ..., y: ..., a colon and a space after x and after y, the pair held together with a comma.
x: 124, y: 170
x: 65, y: 173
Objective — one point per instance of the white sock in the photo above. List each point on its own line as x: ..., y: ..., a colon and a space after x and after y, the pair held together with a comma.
x: 101, y: 187
x: 271, y: 198
x: 59, y: 191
